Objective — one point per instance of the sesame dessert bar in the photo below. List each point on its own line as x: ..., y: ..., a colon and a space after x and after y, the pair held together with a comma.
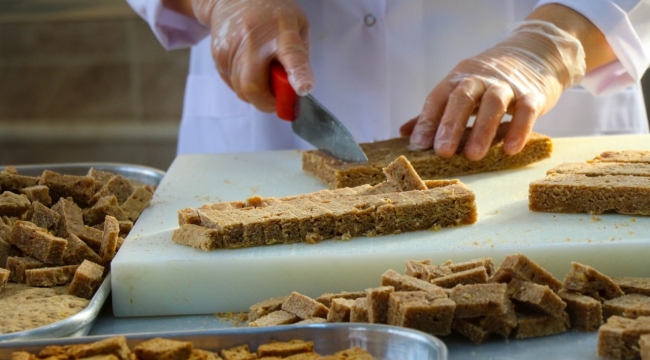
x: 108, y: 246
x: 303, y: 306
x: 80, y: 188
x: 538, y: 297
x: 415, y: 268
x: 6, y: 250
x: 401, y: 173
x: 421, y: 310
x: 471, y: 329
x: 359, y: 311
x: 486, y: 262
x: 377, y: 300
x: 340, y: 310
x: 285, y: 348
x: 265, y: 307
x: 602, y: 168
x: 12, y: 204
x: 38, y: 242
x: 107, y: 205
x: 536, y: 324
x: 86, y: 279
x: 628, y: 304
x: 37, y: 193
x: 615, y: 181
x: 585, y: 280
x: 71, y: 218
x: 116, y: 346
x: 408, y: 283
x: 4, y: 277
x: 585, y: 312
x: 19, y: 264
x: 199, y: 237
x: 135, y: 204
x: 633, y: 285
x: 339, y: 174
x: 574, y: 193
x: 279, y: 317
x: 11, y: 180
x: 644, y: 346
x: 625, y: 156
x: 50, y: 276
x: 432, y: 272
x: 42, y: 216
x: 501, y: 324
x: 519, y: 266
x: 619, y: 337
x: 410, y: 205
x: 477, y: 275
x: 480, y: 300
x: 117, y: 186
x: 326, y: 299
x: 159, y: 348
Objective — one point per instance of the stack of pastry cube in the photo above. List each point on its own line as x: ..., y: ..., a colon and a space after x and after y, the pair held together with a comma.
x: 65, y: 229
x: 518, y: 299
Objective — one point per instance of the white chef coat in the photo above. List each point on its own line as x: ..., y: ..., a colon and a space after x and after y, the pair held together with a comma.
x: 375, y: 61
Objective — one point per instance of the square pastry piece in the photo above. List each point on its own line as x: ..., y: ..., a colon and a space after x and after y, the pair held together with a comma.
x: 615, y: 181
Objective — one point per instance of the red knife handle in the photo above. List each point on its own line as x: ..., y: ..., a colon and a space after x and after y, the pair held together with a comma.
x: 285, y: 97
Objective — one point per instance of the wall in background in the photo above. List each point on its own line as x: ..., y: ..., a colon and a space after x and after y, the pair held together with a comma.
x: 86, y: 81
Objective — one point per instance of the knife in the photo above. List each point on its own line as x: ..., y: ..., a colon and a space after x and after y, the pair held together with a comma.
x: 311, y: 121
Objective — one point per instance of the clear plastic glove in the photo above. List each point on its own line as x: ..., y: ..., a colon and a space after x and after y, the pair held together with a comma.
x: 523, y: 75
x: 247, y: 35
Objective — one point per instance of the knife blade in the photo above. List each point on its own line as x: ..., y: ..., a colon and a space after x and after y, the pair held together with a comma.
x: 312, y: 121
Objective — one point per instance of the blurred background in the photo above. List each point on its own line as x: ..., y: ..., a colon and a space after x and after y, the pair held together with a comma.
x: 86, y: 81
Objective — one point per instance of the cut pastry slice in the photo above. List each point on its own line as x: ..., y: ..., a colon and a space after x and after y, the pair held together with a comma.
x: 339, y: 174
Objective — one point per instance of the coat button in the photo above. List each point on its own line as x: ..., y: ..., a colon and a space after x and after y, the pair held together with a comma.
x: 369, y: 20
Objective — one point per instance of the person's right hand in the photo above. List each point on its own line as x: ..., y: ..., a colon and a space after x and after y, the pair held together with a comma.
x: 247, y: 35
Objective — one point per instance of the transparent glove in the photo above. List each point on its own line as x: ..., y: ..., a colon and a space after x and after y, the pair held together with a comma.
x: 523, y: 75
x: 247, y: 35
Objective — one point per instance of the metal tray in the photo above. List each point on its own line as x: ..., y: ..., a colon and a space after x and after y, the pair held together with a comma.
x: 382, y: 341
x: 80, y: 323
x: 144, y: 174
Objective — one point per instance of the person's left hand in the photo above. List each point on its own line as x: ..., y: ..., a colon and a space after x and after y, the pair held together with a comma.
x: 524, y: 75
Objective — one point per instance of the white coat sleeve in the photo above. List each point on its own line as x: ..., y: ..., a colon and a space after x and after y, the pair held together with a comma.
x: 626, y: 26
x: 173, y: 30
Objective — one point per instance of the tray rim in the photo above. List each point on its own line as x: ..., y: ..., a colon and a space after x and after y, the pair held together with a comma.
x: 87, y: 165
x: 252, y: 333
x: 80, y: 323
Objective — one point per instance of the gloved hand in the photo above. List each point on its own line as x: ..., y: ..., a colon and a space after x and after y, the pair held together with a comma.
x: 247, y: 35
x: 523, y: 75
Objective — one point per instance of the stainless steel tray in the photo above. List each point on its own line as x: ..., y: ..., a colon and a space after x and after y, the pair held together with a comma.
x: 80, y: 323
x: 382, y: 341
x: 144, y: 174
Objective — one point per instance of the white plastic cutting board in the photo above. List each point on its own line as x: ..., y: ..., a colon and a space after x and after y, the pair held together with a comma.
x: 151, y: 275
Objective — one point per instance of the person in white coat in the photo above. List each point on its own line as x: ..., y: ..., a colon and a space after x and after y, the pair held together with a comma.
x: 375, y: 64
